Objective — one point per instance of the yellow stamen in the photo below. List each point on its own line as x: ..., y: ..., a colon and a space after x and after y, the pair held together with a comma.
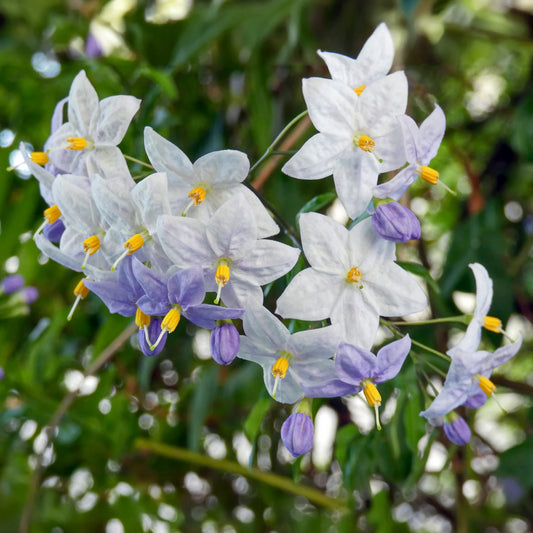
x: 429, y: 174
x: 492, y: 324
x: 131, y: 245
x: 41, y: 158
x: 76, y: 143
x: 354, y: 276
x: 81, y: 291
x: 169, y: 324
x: 373, y: 397
x: 221, y: 278
x: 366, y: 143
x: 198, y: 195
x: 486, y: 385
x: 142, y: 320
x: 360, y: 89
x: 52, y: 214
x: 279, y: 371
x: 90, y: 246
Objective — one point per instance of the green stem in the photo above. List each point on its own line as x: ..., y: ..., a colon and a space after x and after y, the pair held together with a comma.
x: 138, y: 161
x: 461, y: 319
x: 274, y: 480
x: 270, y: 149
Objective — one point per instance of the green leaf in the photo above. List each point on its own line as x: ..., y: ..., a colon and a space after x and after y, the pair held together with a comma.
x: 517, y: 462
x: 317, y: 203
x: 252, y: 425
x: 422, y: 271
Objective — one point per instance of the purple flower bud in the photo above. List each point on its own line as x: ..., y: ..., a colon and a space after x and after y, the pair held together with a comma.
x: 12, y: 283
x: 458, y: 431
x: 29, y: 294
x: 154, y: 330
x: 297, y: 434
x: 54, y: 231
x: 2, y: 373
x: 476, y: 401
x: 92, y: 47
x: 394, y: 222
x: 225, y: 343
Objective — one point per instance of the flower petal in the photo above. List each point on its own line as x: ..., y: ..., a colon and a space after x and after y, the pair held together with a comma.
x: 116, y: 113
x: 391, y: 358
x: 222, y: 167
x: 354, y: 364
x: 82, y: 104
x: 431, y: 134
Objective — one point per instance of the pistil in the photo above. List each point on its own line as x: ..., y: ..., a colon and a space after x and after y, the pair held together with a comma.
x: 40, y: 158
x: 169, y: 324
x: 221, y: 278
x: 354, y: 276
x: 279, y: 371
x: 373, y: 397
x: 197, y: 196
x: 90, y: 246
x: 131, y: 245
x: 80, y: 291
x: 142, y: 321
x: 360, y: 89
x: 76, y: 143
x: 486, y: 385
x: 492, y: 324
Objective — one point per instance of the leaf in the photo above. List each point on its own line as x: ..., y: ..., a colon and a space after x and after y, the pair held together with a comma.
x: 317, y: 203
x: 517, y: 462
x: 252, y: 425
x: 422, y: 271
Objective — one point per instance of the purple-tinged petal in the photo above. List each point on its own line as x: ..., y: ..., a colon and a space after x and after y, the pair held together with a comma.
x: 476, y: 401
x: 29, y: 294
x: 395, y: 222
x: 153, y: 283
x: 458, y: 431
x: 390, y: 359
x: 354, y: 364
x: 225, y: 343
x: 330, y: 389
x: 431, y: 134
x: 53, y: 232
x: 154, y: 330
x: 297, y: 434
x: 117, y: 297
x: 186, y: 287
x: 12, y: 283
x: 396, y: 187
x: 206, y: 315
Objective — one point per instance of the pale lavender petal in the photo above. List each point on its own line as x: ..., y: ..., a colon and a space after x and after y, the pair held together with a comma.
x: 396, y: 187
x: 151, y: 198
x: 502, y: 355
x: 354, y: 364
x: 431, y: 134
x: 82, y: 104
x: 319, y: 343
x: 458, y: 431
x: 57, y: 116
x: 206, y: 315
x: 186, y: 287
x: 484, y: 291
x: 154, y: 330
x: 222, y: 167
x: 264, y: 329
x: 154, y: 284
x: 116, y: 113
x: 390, y: 359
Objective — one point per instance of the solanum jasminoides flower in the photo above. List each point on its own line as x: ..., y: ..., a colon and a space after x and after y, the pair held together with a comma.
x: 93, y: 130
x: 421, y: 146
x: 373, y: 62
x: 359, y: 136
x: 290, y: 362
x: 395, y: 222
x: 457, y: 430
x: 469, y: 373
x: 484, y: 292
x: 297, y: 434
x: 353, y: 280
x: 199, y: 189
x: 235, y: 262
x: 225, y: 343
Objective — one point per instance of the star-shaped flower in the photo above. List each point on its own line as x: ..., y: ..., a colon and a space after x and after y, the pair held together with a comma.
x: 290, y: 362
x: 468, y: 373
x: 199, y: 189
x: 93, y: 130
x: 353, y: 280
x: 360, y: 136
x: 421, y: 146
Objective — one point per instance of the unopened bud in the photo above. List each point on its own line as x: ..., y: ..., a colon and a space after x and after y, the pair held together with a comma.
x: 297, y: 434
x: 225, y: 343
x: 458, y: 431
x: 394, y: 222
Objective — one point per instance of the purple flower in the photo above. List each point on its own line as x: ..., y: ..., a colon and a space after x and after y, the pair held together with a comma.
x: 225, y: 343
x: 92, y: 47
x: 29, y: 294
x: 153, y: 330
x: 12, y: 283
x: 395, y: 222
x: 54, y: 231
x: 297, y: 434
x: 458, y: 431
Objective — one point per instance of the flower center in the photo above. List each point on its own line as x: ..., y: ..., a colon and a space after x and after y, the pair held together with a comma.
x: 169, y: 324
x: 90, y: 246
x: 279, y: 371
x: 221, y: 278
x: 80, y: 291
x: 131, y: 245
x: 366, y: 143
x: 360, y: 89
x: 492, y: 324
x: 428, y: 174
x: 40, y: 158
x: 485, y: 384
x: 373, y: 397
x: 76, y: 143
x: 197, y: 196
x: 142, y: 321
x: 354, y: 276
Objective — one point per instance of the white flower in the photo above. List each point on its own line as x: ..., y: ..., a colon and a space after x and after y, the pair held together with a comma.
x: 372, y: 63
x: 93, y: 130
x: 360, y: 136
x: 199, y: 189
x: 353, y: 280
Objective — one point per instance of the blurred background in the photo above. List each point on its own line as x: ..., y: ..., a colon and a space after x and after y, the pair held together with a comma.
x: 162, y: 444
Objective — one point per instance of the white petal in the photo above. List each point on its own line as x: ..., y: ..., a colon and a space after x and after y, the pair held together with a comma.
x: 319, y: 343
x: 396, y: 187
x: 316, y: 158
x: 410, y: 138
x: 484, y: 291
x: 73, y: 197
x: 82, y: 104
x: 151, y: 198
x: 108, y: 162
x: 116, y: 113
x: 289, y: 389
x: 343, y: 68
x: 266, y: 227
x: 332, y: 106
x: 367, y: 249
x: 325, y: 243
x: 311, y: 295
x: 375, y: 58
x: 263, y: 328
x: 431, y: 134
x: 385, y: 97
x: 390, y: 148
x: 222, y: 167
x: 238, y: 292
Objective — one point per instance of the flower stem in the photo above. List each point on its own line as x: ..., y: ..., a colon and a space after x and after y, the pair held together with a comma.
x: 462, y: 319
x: 138, y: 161
x: 274, y: 480
x: 270, y: 149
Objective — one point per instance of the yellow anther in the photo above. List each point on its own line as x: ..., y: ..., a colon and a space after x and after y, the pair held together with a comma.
x: 429, y: 174
x: 221, y: 278
x: 91, y: 244
x: 81, y: 291
x: 354, y: 275
x: 360, y: 89
x: 366, y: 143
x: 142, y: 320
x: 51, y: 214
x: 492, y: 324
x: 372, y: 395
x: 40, y: 158
x: 198, y: 195
x: 486, y: 385
x: 76, y: 143
x: 134, y: 243
x: 171, y: 320
x: 279, y: 370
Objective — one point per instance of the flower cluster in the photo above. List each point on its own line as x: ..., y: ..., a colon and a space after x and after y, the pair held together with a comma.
x: 154, y: 247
